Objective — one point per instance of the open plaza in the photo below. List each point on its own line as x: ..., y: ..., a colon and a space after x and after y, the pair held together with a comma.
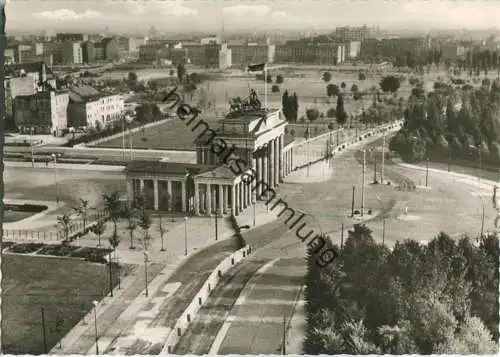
x: 184, y: 197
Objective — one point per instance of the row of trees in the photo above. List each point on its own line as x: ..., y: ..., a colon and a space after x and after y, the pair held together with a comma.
x: 459, y: 121
x: 415, y: 299
x: 261, y: 77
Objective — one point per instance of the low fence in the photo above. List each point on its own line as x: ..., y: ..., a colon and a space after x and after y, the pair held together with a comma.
x: 201, y: 298
x: 73, y: 229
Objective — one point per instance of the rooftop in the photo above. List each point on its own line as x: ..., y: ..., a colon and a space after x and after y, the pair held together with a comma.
x: 177, y: 168
x: 85, y: 93
x: 28, y: 67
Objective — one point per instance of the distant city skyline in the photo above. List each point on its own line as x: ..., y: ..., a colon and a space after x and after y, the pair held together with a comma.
x: 207, y: 15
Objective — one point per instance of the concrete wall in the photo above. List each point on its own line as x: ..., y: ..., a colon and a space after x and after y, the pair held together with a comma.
x: 201, y: 298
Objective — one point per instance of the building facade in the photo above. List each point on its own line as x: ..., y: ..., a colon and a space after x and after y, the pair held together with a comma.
x: 244, y: 156
x: 90, y: 108
x: 71, y: 37
x: 310, y: 53
x: 72, y: 53
x: 347, y: 33
x: 248, y: 53
x: 45, y: 112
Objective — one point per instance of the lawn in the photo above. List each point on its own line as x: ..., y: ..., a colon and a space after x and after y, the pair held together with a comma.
x: 38, y: 184
x: 14, y: 216
x: 64, y: 288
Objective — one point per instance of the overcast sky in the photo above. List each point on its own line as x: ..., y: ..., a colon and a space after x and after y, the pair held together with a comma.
x: 207, y: 15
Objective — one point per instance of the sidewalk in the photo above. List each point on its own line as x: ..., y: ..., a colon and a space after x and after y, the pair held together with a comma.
x: 129, y: 305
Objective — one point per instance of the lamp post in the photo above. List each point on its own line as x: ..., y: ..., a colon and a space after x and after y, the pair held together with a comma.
x: 54, y: 157
x: 32, y: 150
x: 253, y: 204
x: 95, y: 328
x: 146, y: 256
x: 123, y: 135
x: 185, y: 236
x: 363, y: 183
x: 480, y: 160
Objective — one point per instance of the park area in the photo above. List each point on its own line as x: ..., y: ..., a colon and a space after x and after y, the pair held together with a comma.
x: 64, y: 288
x: 306, y: 83
x: 38, y: 184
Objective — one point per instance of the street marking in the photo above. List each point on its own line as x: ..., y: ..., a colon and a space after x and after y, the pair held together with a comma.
x: 240, y: 301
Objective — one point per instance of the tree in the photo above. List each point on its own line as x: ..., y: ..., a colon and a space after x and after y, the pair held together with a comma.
x: 132, y: 77
x: 361, y: 76
x: 354, y: 88
x: 144, y: 113
x: 82, y: 210
x: 64, y: 221
x: 312, y: 114
x: 99, y: 229
x: 129, y: 214
x: 181, y: 72
x: 113, y: 207
x: 162, y: 229
x: 145, y: 225
x: 114, y: 241
x: 330, y: 113
x: 327, y: 77
x: 340, y: 111
x: 343, y: 85
x: 279, y: 79
x: 275, y: 88
x: 332, y: 90
x: 390, y: 84
x: 269, y: 78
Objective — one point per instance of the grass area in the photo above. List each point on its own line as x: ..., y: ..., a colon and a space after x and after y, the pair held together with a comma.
x: 14, y: 216
x: 64, y: 288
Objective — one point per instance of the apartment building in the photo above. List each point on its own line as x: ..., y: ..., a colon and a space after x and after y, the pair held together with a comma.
x: 310, y: 53
x: 353, y: 49
x: 71, y: 37
x: 244, y: 53
x: 348, y: 33
x: 45, y: 112
x: 89, y: 107
x: 72, y: 53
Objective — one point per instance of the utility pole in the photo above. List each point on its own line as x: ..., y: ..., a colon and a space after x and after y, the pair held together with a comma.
x: 427, y: 172
x: 44, y: 333
x: 482, y: 220
x: 383, y: 231
x: 374, y: 170
x: 383, y: 161
x: 352, y: 202
x: 363, y: 184
x: 284, y: 334
x: 110, y: 277
x: 123, y: 136
x: 342, y: 236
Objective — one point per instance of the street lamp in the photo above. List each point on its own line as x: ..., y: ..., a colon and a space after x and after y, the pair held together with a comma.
x: 185, y: 236
x: 480, y: 160
x: 363, y: 183
x: 253, y: 204
x: 32, y: 150
x: 95, y: 328
x: 146, y: 256
x: 54, y: 157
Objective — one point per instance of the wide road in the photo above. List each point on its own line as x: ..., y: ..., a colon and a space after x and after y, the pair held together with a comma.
x: 247, y: 313
x: 191, y: 276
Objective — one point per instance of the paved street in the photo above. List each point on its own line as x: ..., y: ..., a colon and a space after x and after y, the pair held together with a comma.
x: 245, y: 314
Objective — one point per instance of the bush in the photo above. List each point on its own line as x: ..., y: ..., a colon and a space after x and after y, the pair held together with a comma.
x: 279, y: 79
x: 26, y: 247
x: 275, y: 88
x: 330, y: 113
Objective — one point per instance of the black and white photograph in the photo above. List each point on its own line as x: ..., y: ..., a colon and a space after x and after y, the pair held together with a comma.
x: 230, y: 177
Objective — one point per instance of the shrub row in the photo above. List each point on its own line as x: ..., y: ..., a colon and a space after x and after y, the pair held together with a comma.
x: 25, y: 208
